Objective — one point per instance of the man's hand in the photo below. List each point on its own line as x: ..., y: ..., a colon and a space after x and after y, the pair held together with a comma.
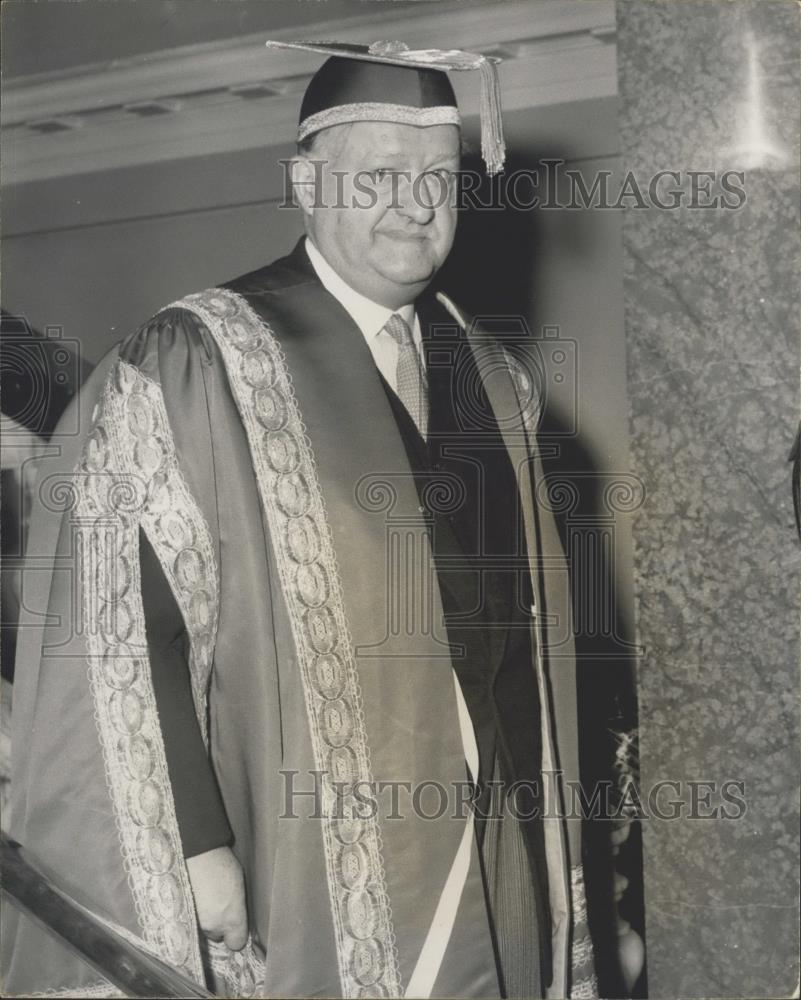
x: 219, y: 889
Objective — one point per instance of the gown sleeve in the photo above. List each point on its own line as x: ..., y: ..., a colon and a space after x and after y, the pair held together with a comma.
x: 175, y: 350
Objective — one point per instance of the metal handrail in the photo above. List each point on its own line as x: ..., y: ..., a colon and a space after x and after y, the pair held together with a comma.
x: 49, y: 901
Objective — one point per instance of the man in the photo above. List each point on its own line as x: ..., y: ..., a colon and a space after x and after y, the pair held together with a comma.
x: 323, y: 615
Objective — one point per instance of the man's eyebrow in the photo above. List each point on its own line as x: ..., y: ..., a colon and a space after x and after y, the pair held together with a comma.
x: 446, y: 160
x: 399, y: 154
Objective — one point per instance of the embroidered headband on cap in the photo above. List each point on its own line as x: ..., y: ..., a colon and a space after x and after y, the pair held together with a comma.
x: 389, y: 82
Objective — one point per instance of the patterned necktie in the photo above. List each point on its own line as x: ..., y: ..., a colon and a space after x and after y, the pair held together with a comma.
x: 410, y: 376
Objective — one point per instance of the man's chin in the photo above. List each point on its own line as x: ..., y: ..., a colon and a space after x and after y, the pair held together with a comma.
x: 412, y: 275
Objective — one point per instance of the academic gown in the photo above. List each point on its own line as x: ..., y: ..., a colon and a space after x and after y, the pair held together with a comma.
x: 264, y: 463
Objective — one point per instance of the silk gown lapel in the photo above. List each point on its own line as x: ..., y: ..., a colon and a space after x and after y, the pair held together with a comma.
x: 403, y: 661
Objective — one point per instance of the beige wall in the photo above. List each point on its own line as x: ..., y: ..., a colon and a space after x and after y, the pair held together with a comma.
x: 97, y: 254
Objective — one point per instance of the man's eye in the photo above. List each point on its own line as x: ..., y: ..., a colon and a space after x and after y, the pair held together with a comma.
x: 381, y: 174
x: 443, y: 176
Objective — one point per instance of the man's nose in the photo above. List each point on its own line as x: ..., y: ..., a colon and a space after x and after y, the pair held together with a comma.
x: 414, y: 200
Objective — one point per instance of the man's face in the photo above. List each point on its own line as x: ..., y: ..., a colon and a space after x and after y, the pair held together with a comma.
x: 384, y: 216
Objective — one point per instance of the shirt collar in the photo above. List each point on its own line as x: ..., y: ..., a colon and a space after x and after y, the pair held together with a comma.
x: 369, y: 316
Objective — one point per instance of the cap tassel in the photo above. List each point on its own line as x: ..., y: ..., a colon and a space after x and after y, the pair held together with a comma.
x: 493, y: 147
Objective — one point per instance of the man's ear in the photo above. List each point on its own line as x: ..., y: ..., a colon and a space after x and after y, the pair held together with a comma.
x: 306, y: 177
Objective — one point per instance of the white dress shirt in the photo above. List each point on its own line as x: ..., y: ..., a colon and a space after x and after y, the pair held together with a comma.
x: 369, y: 316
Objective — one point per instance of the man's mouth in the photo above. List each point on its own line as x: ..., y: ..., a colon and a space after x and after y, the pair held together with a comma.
x: 396, y: 234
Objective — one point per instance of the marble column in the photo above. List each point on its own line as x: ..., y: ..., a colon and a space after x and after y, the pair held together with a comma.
x: 713, y: 305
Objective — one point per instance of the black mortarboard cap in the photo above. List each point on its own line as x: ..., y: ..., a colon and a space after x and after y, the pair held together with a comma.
x: 387, y: 81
